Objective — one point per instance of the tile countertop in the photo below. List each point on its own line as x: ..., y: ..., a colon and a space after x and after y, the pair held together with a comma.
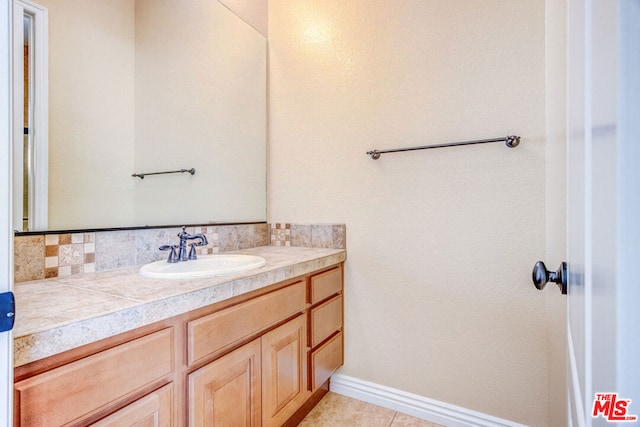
x: 55, y: 315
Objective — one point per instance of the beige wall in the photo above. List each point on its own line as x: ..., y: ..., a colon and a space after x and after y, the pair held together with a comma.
x: 555, y: 47
x: 254, y: 12
x: 441, y: 243
x: 91, y: 112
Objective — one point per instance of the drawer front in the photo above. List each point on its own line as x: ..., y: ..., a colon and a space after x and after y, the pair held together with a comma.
x: 326, y: 284
x: 325, y: 360
x: 155, y: 409
x: 217, y: 331
x: 74, y: 391
x: 325, y: 320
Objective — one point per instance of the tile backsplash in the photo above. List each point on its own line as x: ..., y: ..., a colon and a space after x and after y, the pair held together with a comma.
x: 55, y: 255
x: 309, y: 235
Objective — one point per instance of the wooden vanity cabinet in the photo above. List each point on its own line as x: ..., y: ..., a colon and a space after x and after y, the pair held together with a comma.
x: 236, y: 388
x: 256, y: 360
x: 263, y: 382
x: 215, y: 333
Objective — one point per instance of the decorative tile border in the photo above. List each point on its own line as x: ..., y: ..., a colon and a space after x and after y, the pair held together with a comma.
x: 280, y: 234
x: 67, y: 254
x: 213, y: 239
x: 56, y: 255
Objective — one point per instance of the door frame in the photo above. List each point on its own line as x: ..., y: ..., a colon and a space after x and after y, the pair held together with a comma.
x: 6, y: 235
x: 38, y: 188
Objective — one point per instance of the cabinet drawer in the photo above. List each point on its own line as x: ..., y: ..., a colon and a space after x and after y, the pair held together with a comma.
x: 326, y: 284
x: 325, y: 360
x: 76, y: 390
x: 155, y: 409
x: 325, y: 320
x: 217, y: 331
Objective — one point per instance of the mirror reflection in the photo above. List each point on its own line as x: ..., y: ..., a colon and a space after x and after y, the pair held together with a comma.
x: 145, y: 86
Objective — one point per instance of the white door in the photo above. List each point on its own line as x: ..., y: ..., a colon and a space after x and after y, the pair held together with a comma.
x: 6, y: 240
x: 603, y: 207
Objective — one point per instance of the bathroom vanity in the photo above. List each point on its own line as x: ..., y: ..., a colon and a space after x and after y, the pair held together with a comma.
x: 251, y: 349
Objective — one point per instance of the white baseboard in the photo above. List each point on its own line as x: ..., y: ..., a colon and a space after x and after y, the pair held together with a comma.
x: 414, y: 405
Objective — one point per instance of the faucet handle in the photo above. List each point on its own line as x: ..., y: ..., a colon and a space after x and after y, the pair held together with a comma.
x: 192, y: 252
x: 173, y: 257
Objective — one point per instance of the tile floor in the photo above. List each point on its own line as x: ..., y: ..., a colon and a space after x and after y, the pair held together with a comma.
x: 335, y: 410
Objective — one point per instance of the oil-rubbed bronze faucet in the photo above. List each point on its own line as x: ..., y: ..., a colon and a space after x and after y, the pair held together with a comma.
x: 182, y: 247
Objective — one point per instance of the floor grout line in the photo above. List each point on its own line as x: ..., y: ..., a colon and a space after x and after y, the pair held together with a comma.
x: 395, y: 414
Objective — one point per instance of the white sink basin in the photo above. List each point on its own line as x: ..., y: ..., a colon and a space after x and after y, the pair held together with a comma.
x: 204, y: 266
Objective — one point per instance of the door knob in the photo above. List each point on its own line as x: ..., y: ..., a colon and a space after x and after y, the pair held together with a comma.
x: 541, y: 276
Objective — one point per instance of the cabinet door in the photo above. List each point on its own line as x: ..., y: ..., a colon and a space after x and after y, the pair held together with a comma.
x: 153, y: 410
x: 226, y: 392
x: 284, y: 379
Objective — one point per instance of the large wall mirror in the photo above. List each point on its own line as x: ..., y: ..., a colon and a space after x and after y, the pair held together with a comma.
x: 144, y: 86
